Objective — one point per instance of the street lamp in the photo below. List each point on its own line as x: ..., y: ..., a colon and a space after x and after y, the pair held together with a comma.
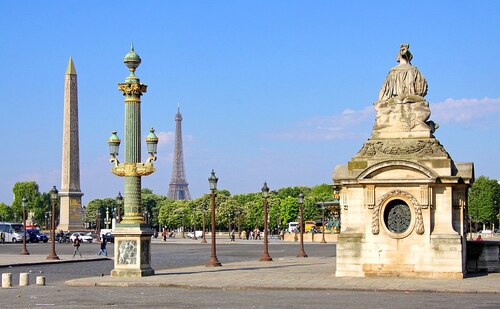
x: 323, y: 241
x: 24, y: 203
x: 183, y: 236
x: 238, y: 213
x: 194, y: 223
x: 213, y: 261
x: 204, y: 240
x: 53, y: 198
x: 119, y: 203
x: 265, y: 256
x: 302, y: 253
x: 97, y: 222
x: 107, y: 221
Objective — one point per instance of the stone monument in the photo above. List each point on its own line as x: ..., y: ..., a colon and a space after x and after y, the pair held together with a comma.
x: 403, y: 199
x: 70, y: 218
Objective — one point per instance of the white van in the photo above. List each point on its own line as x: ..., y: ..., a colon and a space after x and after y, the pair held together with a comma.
x: 13, y: 231
x: 292, y: 227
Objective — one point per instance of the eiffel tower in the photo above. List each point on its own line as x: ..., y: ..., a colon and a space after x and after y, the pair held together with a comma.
x: 178, y: 187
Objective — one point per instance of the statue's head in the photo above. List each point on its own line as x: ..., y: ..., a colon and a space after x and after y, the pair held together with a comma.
x: 404, y: 55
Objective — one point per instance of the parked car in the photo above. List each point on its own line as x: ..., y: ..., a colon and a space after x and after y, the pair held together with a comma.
x: 30, y: 236
x: 485, y: 232
x: 109, y: 237
x: 199, y: 234
x: 40, y: 236
x: 84, y: 237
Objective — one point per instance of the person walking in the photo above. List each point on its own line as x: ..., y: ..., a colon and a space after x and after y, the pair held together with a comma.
x: 232, y: 235
x: 76, y: 246
x: 103, y: 249
x: 164, y: 234
x: 2, y: 236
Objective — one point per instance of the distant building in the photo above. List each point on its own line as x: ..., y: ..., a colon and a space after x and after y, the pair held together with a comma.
x: 178, y: 187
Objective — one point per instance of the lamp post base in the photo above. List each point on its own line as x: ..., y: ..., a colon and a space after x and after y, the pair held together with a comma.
x: 213, y: 262
x: 203, y: 241
x: 323, y: 241
x: 25, y: 252
x: 132, y: 251
x: 265, y: 258
x: 52, y: 257
x: 302, y: 254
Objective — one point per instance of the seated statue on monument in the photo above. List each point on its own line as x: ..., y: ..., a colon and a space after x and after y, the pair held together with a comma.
x: 401, y: 108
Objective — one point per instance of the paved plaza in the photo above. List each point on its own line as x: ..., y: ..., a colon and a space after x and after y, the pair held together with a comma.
x: 286, y: 272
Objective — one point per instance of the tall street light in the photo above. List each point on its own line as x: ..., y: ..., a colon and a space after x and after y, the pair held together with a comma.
x: 24, y: 203
x: 302, y: 253
x: 194, y: 223
x: 119, y: 203
x: 238, y: 213
x: 53, y: 199
x: 132, y: 236
x: 265, y: 256
x: 213, y: 261
x: 323, y: 241
x: 204, y: 240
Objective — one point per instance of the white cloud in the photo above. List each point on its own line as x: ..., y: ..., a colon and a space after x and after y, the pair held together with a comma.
x: 349, y: 124
x: 465, y: 110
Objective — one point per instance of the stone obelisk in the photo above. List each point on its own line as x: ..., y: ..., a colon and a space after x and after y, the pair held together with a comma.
x: 71, y: 197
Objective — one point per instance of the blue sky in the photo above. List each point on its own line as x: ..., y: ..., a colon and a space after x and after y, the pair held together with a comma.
x: 280, y: 91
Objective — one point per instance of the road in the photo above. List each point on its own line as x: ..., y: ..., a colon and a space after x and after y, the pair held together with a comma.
x: 175, y: 254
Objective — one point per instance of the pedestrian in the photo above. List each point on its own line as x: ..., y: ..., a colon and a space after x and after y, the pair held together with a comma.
x: 103, y: 249
x: 282, y: 235
x: 2, y: 237
x: 479, y: 238
x: 164, y: 234
x: 76, y: 246
x: 251, y: 235
x: 232, y: 235
x: 244, y: 234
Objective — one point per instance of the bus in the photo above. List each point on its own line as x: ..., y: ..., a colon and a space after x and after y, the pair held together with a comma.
x: 13, y: 231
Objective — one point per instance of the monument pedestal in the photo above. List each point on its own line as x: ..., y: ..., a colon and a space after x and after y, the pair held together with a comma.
x: 132, y: 251
x: 403, y: 199
x: 70, y: 211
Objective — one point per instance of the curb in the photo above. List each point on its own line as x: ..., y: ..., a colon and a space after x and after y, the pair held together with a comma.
x: 55, y: 261
x: 80, y: 283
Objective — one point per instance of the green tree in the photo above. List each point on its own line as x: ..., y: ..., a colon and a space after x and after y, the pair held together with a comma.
x: 5, y: 212
x: 98, y: 207
x: 37, y: 203
x: 151, y: 204
x: 482, y: 196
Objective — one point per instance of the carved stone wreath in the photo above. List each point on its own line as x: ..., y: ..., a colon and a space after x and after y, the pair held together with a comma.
x: 419, y: 222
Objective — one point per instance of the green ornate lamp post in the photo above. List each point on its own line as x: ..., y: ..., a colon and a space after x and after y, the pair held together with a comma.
x: 132, y: 234
x: 24, y: 203
x: 265, y: 256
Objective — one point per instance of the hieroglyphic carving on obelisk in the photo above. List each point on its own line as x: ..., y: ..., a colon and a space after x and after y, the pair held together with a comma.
x: 70, y: 218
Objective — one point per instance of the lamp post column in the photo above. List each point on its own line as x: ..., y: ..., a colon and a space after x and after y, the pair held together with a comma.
x: 302, y: 253
x: 53, y: 198
x: 204, y: 240
x: 239, y: 223
x: 323, y: 241
x: 213, y: 261
x: 194, y: 223
x: 132, y: 234
x: 24, y: 203
x: 265, y: 256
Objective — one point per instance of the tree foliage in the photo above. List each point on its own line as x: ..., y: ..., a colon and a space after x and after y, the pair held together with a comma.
x: 482, y: 197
